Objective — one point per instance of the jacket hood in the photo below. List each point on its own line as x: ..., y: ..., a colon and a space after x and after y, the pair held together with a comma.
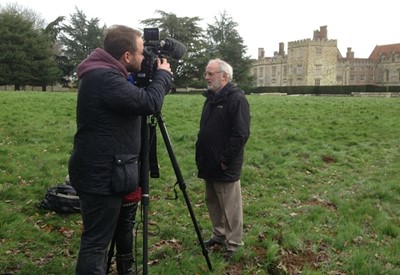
x: 100, y: 59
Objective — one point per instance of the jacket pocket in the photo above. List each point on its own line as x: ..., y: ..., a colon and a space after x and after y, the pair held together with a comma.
x: 125, y: 177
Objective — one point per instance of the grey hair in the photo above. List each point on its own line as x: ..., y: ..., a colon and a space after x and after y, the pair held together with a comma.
x: 223, y: 67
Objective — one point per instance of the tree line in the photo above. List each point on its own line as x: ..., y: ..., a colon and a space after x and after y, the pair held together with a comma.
x: 35, y: 54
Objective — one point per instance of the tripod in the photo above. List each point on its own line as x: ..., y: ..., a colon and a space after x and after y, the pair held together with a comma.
x: 145, y: 168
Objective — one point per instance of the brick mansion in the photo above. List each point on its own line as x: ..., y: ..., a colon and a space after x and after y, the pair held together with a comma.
x: 318, y: 62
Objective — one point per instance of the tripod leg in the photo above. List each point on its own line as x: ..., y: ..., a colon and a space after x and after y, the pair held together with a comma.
x: 182, y: 186
x: 144, y: 184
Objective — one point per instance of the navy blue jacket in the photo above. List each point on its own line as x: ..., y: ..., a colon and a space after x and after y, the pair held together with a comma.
x: 224, y: 131
x: 109, y: 112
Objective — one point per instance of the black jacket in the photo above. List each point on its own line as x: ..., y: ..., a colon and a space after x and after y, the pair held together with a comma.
x: 224, y: 131
x: 109, y: 112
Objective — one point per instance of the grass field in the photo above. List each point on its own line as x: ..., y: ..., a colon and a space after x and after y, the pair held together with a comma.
x: 320, y: 185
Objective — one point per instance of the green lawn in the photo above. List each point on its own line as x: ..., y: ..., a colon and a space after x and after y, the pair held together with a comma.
x: 320, y: 185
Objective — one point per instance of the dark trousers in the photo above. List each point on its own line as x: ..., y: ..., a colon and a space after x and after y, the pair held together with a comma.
x: 100, y: 216
x: 123, y: 238
x: 123, y: 235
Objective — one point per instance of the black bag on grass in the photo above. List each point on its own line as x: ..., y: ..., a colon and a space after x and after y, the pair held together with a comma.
x: 61, y: 199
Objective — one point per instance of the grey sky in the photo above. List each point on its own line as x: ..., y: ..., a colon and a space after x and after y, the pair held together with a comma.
x: 360, y: 25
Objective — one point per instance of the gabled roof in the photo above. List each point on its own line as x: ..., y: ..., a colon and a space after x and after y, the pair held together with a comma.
x: 385, y: 50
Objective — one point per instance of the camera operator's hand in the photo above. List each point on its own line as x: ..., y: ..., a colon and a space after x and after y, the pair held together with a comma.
x: 162, y: 64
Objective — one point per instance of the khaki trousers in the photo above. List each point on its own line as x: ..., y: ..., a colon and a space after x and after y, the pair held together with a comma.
x: 224, y: 204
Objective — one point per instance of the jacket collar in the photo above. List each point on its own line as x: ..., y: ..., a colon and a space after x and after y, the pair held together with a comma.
x: 220, y: 95
x: 100, y: 59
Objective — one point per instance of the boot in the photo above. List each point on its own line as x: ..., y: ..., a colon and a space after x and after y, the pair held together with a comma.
x: 124, y: 264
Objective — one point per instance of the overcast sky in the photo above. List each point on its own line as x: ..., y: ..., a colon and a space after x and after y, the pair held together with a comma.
x: 360, y: 25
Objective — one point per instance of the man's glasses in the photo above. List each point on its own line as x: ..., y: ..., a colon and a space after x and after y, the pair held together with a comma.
x: 210, y: 74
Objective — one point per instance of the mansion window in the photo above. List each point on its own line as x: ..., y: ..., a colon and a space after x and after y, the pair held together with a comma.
x: 300, y: 53
x: 273, y: 71
x: 318, y: 69
x: 299, y: 69
x: 386, y: 75
x: 261, y: 71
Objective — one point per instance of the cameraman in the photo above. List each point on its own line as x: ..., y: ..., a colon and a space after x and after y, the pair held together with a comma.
x: 109, y: 114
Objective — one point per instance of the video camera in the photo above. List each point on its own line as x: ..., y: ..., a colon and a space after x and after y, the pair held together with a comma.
x: 155, y: 48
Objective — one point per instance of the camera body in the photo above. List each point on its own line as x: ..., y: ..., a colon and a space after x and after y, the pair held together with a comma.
x: 155, y: 48
x: 151, y: 53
